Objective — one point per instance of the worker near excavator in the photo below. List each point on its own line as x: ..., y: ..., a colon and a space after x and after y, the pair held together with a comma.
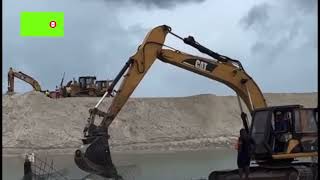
x: 280, y: 127
x: 29, y: 159
x: 245, y: 149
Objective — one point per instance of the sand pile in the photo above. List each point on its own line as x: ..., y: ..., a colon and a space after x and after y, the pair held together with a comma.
x: 33, y: 121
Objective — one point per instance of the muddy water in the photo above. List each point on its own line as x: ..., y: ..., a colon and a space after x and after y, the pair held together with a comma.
x: 175, y: 166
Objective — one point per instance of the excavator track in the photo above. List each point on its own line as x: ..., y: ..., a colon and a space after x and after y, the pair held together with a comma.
x: 296, y: 171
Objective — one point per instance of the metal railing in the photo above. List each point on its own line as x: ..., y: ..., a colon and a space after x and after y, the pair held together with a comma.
x: 42, y: 170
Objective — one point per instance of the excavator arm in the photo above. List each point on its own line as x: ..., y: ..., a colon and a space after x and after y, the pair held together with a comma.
x: 226, y: 72
x: 22, y: 76
x: 220, y: 68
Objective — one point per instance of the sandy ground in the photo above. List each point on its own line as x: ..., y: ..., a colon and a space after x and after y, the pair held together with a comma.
x: 33, y: 121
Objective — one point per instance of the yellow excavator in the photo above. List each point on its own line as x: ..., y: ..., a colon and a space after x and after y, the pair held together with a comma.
x: 275, y: 149
x: 22, y: 76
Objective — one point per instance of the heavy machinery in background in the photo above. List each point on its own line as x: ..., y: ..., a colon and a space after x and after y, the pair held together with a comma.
x: 102, y: 87
x: 85, y: 86
x: 275, y: 151
x: 22, y: 76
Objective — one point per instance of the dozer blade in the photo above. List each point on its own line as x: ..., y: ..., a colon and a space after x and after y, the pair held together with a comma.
x: 94, y: 157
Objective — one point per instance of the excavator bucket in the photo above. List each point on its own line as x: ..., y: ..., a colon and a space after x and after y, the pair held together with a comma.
x: 94, y: 157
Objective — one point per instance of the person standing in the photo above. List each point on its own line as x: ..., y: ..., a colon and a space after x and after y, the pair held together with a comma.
x: 29, y: 159
x: 244, y: 153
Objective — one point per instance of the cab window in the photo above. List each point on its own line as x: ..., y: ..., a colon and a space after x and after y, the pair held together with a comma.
x: 89, y: 81
x: 259, y: 125
x: 82, y: 82
x: 305, y: 121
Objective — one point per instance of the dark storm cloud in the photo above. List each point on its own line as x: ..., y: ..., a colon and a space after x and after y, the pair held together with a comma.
x: 258, y: 14
x: 162, y: 4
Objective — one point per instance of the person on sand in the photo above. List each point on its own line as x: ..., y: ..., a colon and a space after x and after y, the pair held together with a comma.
x: 47, y: 93
x: 27, y: 168
x: 244, y: 153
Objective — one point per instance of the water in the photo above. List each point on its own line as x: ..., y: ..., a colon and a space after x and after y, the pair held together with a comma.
x: 175, y: 166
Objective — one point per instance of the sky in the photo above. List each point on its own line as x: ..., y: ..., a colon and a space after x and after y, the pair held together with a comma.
x: 276, y: 42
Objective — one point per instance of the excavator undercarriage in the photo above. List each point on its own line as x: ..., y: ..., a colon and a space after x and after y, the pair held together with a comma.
x: 293, y: 171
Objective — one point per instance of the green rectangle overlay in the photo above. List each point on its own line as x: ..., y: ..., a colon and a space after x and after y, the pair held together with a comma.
x: 45, y: 24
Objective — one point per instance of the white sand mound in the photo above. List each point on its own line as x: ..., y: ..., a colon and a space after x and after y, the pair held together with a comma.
x: 33, y: 121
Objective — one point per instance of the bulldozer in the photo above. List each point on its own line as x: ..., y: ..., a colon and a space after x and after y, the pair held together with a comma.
x: 275, y: 152
x: 102, y: 87
x: 86, y: 86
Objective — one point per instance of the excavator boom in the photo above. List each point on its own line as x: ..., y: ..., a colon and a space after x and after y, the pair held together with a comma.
x: 226, y: 72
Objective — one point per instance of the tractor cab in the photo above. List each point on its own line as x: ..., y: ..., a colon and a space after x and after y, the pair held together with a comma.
x: 103, y: 84
x: 285, y: 132
x: 86, y: 82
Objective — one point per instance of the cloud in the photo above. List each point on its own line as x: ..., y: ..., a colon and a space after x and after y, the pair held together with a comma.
x: 101, y: 35
x: 258, y: 14
x: 306, y: 6
x: 95, y: 43
x: 283, y: 37
x: 281, y: 26
x: 161, y: 4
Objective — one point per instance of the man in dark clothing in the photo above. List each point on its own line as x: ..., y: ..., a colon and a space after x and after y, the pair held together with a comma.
x: 244, y: 153
x: 281, y: 126
x: 27, y: 169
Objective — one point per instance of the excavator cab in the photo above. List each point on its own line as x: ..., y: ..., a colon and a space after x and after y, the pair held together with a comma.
x: 284, y: 132
x: 87, y: 82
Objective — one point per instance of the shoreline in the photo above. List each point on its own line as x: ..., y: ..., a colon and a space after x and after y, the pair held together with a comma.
x: 134, y: 148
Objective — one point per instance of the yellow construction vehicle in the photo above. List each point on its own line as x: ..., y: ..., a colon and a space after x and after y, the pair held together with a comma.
x: 102, y: 87
x: 299, y: 139
x: 86, y: 86
x: 22, y: 76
